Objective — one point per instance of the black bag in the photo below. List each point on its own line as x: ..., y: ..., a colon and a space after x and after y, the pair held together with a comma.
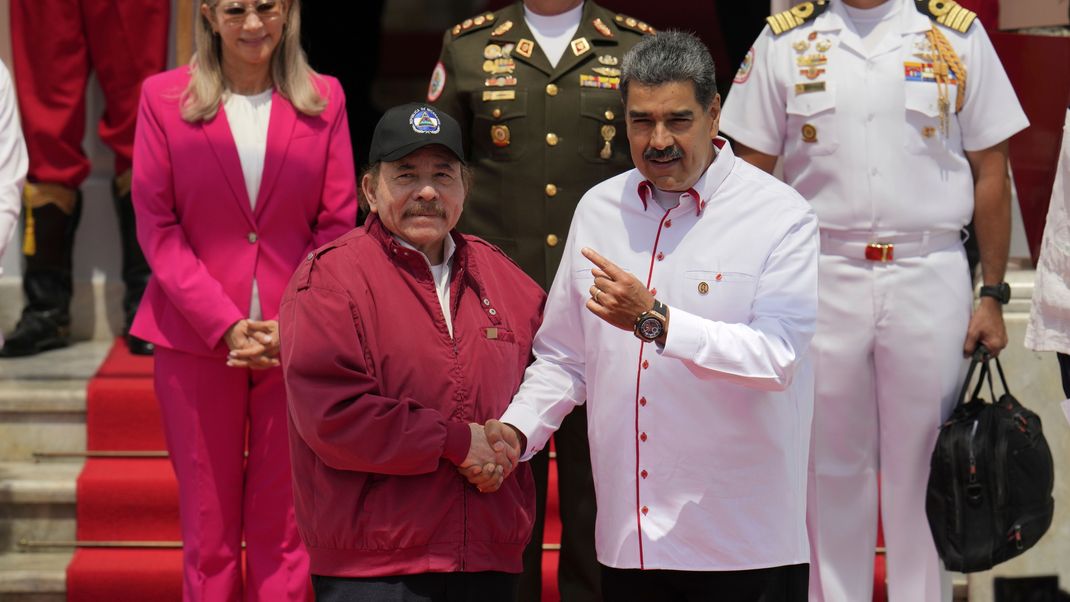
x: 990, y: 480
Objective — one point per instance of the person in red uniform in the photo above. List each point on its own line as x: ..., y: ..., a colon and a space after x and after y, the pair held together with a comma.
x: 399, y: 340
x: 56, y: 44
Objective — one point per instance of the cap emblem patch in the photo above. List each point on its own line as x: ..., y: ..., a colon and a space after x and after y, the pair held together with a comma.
x: 425, y: 121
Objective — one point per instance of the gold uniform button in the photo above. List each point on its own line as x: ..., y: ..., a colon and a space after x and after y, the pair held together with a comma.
x: 551, y: 190
x: 551, y: 139
x: 551, y: 240
x: 610, y: 115
x: 496, y: 113
x: 551, y: 89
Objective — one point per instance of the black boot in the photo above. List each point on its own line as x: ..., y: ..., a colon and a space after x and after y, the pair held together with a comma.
x: 136, y: 272
x: 46, y: 319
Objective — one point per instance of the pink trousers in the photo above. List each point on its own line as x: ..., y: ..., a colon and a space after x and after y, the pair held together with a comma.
x: 211, y: 415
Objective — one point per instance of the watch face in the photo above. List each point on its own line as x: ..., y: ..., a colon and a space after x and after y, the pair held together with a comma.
x: 650, y: 328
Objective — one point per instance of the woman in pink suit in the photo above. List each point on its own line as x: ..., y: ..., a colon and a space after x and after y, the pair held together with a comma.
x: 242, y: 166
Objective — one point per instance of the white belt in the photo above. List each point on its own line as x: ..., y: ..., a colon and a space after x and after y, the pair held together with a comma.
x: 874, y: 247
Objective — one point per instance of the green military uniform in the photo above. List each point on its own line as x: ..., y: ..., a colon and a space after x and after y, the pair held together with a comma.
x: 538, y: 137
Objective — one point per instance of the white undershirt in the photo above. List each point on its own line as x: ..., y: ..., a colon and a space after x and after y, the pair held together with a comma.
x: 248, y: 117
x: 667, y: 199
x: 440, y: 273
x: 554, y: 32
x: 873, y: 24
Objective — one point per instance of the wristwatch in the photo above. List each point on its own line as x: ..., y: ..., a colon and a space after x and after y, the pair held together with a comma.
x: 1000, y: 292
x: 650, y: 324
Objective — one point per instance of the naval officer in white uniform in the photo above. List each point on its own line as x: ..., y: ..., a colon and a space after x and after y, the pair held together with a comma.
x: 892, y: 118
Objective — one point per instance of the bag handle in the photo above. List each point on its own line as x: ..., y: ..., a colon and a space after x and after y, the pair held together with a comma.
x: 981, y: 357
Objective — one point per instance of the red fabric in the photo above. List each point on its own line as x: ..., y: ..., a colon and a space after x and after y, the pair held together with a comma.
x: 376, y: 387
x: 55, y: 46
x: 128, y: 499
x: 130, y: 575
x: 1036, y: 66
x: 205, y: 255
x: 987, y: 11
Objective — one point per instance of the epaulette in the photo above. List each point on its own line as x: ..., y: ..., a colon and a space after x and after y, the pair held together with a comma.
x: 947, y: 13
x: 634, y: 24
x: 473, y: 24
x: 795, y: 16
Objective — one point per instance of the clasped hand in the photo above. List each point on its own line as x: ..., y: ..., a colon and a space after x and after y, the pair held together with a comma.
x: 253, y: 344
x: 493, y: 455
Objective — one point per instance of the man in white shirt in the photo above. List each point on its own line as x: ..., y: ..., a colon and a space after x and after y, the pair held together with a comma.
x: 892, y: 118
x: 699, y: 430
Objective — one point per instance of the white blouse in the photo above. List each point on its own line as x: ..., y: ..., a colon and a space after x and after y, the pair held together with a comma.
x: 248, y: 117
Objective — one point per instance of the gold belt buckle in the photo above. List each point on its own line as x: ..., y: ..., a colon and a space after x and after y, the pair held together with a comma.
x: 876, y: 251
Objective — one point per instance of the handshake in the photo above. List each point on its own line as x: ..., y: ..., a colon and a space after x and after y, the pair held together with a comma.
x: 493, y: 455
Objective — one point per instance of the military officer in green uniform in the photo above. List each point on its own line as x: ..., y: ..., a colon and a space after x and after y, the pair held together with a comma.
x: 535, y: 89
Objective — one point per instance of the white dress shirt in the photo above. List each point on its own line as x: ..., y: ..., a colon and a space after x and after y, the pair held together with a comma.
x: 699, y: 449
x: 249, y: 117
x: 440, y: 274
x: 13, y: 162
x: 876, y: 161
x: 554, y: 32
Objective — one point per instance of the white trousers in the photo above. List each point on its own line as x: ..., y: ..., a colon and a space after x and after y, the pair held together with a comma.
x: 888, y: 352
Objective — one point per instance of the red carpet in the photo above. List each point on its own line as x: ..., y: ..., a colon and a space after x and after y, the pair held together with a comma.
x: 136, y: 499
x: 125, y: 499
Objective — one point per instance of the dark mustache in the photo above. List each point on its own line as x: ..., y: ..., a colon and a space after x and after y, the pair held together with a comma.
x: 425, y: 210
x: 670, y: 153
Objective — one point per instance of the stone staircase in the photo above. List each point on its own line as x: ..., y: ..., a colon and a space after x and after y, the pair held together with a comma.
x: 42, y: 417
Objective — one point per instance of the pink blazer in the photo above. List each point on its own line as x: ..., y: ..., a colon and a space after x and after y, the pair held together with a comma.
x: 195, y: 223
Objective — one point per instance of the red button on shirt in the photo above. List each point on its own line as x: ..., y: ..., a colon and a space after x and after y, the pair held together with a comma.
x: 642, y: 401
x: 643, y: 474
x: 642, y: 436
x: 661, y: 256
x: 668, y: 223
x: 646, y: 364
x: 645, y: 509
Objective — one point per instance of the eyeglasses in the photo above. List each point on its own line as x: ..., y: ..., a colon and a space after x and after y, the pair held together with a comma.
x: 235, y: 13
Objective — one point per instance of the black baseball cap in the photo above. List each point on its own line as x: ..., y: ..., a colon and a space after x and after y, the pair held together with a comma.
x: 406, y: 128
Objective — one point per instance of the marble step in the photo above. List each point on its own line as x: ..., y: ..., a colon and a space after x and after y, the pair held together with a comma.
x: 43, y: 399
x: 37, y: 503
x: 34, y: 577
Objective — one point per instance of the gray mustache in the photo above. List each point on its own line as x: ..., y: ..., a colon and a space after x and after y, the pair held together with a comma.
x: 426, y: 210
x: 673, y: 152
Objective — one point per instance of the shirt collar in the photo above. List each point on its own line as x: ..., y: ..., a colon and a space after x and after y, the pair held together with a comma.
x: 704, y: 189
x: 447, y: 252
x: 910, y: 20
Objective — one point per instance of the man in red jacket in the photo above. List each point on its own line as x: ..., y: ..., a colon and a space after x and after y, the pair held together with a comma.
x: 399, y: 339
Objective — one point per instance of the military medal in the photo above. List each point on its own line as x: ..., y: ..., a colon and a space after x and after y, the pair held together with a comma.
x: 492, y: 51
x: 824, y: 45
x: 608, y: 132
x: 703, y: 288
x: 501, y: 29
x: 607, y: 71
x: 499, y: 82
x: 507, y: 50
x: 801, y: 46
x: 499, y: 135
x: 499, y: 66
x: 809, y: 133
x: 598, y: 81
x: 525, y: 47
x: 608, y: 59
x: 602, y: 28
x: 811, y: 72
x: 811, y: 60
x: 579, y: 46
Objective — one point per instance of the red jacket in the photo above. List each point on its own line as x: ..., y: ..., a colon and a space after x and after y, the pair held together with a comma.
x: 380, y: 398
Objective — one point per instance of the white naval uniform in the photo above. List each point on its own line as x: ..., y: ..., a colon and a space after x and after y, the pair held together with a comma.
x: 698, y: 449
x: 888, y: 349
x: 13, y: 164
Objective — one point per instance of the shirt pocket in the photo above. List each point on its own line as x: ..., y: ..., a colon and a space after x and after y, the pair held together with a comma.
x: 811, y: 127
x: 725, y: 295
x: 923, y: 134
x: 602, y: 120
x: 499, y: 128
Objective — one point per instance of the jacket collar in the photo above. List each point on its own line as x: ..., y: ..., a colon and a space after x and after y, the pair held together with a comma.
x: 587, y: 31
